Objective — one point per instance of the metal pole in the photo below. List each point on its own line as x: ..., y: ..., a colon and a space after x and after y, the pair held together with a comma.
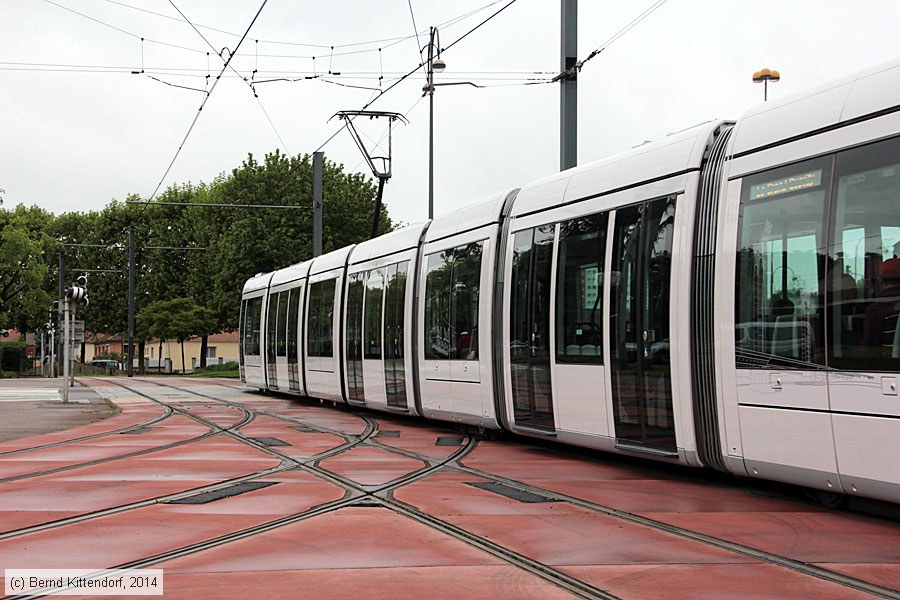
x: 65, y: 338
x: 43, y: 352
x: 52, y: 353
x: 59, y: 308
x: 377, y: 216
x: 568, y: 104
x: 430, y: 73
x: 131, y: 301
x: 70, y: 343
x: 317, y: 202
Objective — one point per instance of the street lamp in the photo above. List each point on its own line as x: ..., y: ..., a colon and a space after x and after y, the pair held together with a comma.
x: 764, y: 76
x: 435, y: 64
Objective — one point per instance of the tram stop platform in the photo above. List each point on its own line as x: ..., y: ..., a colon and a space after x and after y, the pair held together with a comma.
x: 228, y: 493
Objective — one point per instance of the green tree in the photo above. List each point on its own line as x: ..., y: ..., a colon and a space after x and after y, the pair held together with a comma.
x: 252, y: 241
x: 24, y: 246
x: 177, y: 319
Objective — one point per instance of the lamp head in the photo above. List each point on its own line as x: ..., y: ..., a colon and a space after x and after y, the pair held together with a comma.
x: 438, y: 65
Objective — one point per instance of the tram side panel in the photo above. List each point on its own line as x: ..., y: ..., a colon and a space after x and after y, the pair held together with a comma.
x: 321, y: 331
x: 377, y: 344
x: 252, y: 328
x: 251, y: 348
x: 595, y: 310
x: 455, y: 303
x: 813, y: 379
x: 282, y: 336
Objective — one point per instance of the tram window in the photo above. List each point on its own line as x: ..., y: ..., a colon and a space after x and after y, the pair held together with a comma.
x: 466, y: 281
x: 292, y: 333
x: 372, y: 314
x: 781, y: 268
x: 579, y: 289
x: 252, y: 317
x: 863, y: 332
x: 437, y: 305
x: 271, y: 324
x: 394, y: 303
x: 452, y: 291
x: 281, y: 329
x: 320, y: 324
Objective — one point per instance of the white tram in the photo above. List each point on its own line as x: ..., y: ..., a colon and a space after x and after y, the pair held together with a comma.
x: 726, y: 297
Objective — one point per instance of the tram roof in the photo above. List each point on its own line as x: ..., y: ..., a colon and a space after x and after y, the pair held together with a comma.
x: 485, y: 211
x: 826, y: 105
x: 332, y: 260
x: 405, y: 238
x: 672, y: 155
x: 260, y: 281
x: 291, y: 273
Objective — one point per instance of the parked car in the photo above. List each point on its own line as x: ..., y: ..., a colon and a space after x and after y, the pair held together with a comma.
x: 106, y: 363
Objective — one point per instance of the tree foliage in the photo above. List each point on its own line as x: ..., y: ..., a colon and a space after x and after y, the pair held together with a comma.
x: 196, y: 253
x: 24, y: 248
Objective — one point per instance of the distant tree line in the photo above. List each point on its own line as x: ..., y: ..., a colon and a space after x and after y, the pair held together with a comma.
x: 179, y: 293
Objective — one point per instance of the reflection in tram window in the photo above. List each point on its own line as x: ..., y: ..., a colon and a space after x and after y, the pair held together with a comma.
x: 372, y: 314
x: 529, y: 324
x: 464, y: 301
x: 437, y: 306
x: 281, y: 328
x: 452, y: 288
x: 781, y: 268
x: 356, y: 282
x: 579, y: 284
x: 293, y: 334
x: 321, y: 319
x: 394, y: 304
x: 863, y: 332
x: 252, y: 317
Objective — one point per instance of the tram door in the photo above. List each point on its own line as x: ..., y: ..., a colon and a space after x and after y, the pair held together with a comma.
x: 639, y: 328
x: 530, y: 343
x: 394, y: 369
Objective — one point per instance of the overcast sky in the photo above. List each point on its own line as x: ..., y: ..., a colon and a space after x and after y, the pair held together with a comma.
x: 79, y: 128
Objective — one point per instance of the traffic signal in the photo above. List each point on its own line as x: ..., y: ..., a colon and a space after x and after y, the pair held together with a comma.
x: 78, y: 291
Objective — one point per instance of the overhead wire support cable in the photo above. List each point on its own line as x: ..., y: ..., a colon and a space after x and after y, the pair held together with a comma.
x: 227, y: 64
x: 205, y: 100
x: 415, y: 29
x: 415, y: 70
x: 119, y: 29
x: 215, y: 204
x: 380, y: 42
x: 569, y: 73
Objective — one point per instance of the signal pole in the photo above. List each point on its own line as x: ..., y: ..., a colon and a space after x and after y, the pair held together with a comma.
x: 131, y: 301
x: 568, y: 95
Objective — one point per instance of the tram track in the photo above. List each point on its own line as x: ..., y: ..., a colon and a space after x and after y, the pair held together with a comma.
x: 214, y: 429
x: 562, y: 579
x: 168, y: 412
x: 356, y: 494
x: 287, y: 463
x: 720, y: 543
x: 382, y: 495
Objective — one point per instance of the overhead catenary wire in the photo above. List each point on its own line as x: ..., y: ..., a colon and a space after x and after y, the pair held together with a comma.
x: 415, y: 70
x: 416, y: 29
x: 228, y: 64
x: 377, y: 44
x: 578, y: 65
x: 205, y: 100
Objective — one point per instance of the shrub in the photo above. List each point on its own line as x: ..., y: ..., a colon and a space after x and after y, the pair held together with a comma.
x: 12, y: 357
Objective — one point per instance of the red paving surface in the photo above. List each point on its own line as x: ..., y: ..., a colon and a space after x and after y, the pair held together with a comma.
x: 376, y: 552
